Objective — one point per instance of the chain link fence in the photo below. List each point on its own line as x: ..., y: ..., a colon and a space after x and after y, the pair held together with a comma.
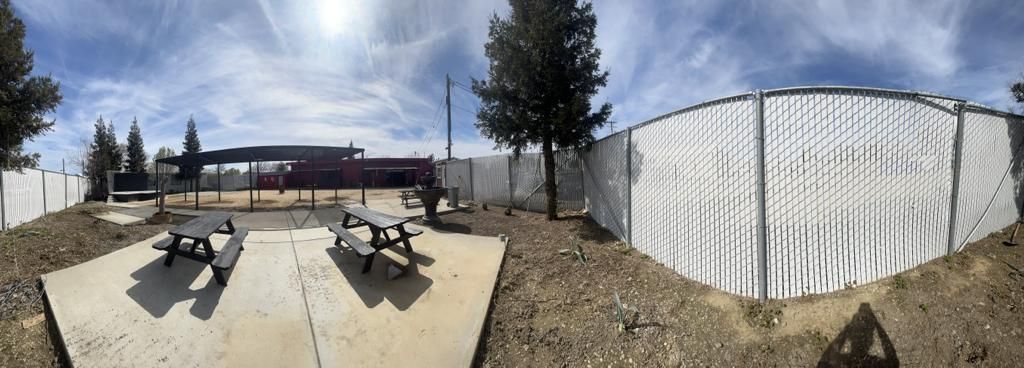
x: 32, y: 193
x: 504, y: 180
x: 787, y: 192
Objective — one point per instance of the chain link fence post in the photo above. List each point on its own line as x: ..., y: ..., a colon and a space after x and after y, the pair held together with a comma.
x: 511, y: 189
x: 629, y: 185
x: 3, y: 207
x: 472, y: 189
x: 42, y: 173
x: 759, y: 189
x: 958, y: 145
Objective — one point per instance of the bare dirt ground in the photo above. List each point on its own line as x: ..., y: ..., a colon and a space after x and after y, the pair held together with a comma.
x: 270, y: 200
x: 549, y: 309
x: 50, y: 243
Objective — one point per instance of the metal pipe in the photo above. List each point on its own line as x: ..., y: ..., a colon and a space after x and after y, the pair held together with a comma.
x: 313, y: 178
x: 629, y: 186
x: 759, y: 189
x: 259, y: 192
x: 3, y: 209
x: 362, y: 175
x: 43, y: 174
x: 157, y: 186
x: 195, y: 181
x: 218, y: 182
x: 250, y: 187
x: 958, y: 145
x: 65, y: 174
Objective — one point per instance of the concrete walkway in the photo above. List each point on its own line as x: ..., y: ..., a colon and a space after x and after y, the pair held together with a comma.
x: 293, y: 299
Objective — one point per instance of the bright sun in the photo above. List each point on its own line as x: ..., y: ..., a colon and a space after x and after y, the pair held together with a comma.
x: 336, y: 16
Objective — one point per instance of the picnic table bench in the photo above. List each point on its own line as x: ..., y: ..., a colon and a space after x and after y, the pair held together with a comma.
x: 379, y: 224
x: 406, y: 195
x: 198, y: 230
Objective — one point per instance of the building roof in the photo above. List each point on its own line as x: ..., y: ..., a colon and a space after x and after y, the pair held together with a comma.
x: 261, y: 153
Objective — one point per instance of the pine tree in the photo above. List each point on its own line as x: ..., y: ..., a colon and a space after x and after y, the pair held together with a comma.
x: 99, y: 158
x: 116, y: 154
x: 136, y: 150
x: 543, y: 72
x: 24, y: 99
x: 191, y: 145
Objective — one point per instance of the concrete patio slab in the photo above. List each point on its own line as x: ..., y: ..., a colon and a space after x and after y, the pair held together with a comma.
x: 119, y: 218
x: 127, y: 309
x: 432, y: 315
x: 296, y: 304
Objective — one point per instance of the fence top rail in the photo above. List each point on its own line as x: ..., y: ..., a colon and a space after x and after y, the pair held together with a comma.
x: 731, y: 98
x: 769, y: 92
x: 49, y: 171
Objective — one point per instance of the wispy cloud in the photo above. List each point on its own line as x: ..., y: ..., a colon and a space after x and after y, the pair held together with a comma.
x: 327, y: 72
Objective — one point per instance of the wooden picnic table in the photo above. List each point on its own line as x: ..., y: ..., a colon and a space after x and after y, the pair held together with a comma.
x: 198, y: 230
x: 379, y: 224
x: 406, y: 195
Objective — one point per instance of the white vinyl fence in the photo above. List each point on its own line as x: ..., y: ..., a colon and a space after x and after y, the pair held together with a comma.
x: 787, y: 192
x: 32, y: 193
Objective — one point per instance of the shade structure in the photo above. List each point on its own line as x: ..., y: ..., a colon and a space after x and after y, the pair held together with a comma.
x: 258, y: 154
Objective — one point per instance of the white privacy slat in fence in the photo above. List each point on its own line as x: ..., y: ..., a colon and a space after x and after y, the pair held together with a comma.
x: 606, y: 183
x: 990, y: 175
x: 23, y: 194
x: 490, y: 179
x: 693, y: 194
x: 858, y: 186
x: 54, y: 191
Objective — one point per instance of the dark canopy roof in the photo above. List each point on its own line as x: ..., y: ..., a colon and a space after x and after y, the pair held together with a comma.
x: 261, y: 153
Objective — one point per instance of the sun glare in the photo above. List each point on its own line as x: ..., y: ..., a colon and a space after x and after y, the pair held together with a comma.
x: 336, y: 16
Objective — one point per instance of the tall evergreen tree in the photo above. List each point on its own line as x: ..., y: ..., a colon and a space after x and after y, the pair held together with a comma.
x: 543, y: 72
x: 136, y: 150
x: 191, y: 145
x: 116, y: 155
x: 99, y: 158
x: 24, y: 99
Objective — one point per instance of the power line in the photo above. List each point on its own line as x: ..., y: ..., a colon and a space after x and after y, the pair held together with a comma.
x: 433, y: 129
x: 463, y: 109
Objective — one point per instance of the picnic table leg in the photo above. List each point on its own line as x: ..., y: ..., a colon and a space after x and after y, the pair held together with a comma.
x: 208, y: 248
x: 373, y: 243
x: 219, y: 276
x: 231, y: 227
x: 405, y: 238
x: 195, y: 243
x: 170, y: 251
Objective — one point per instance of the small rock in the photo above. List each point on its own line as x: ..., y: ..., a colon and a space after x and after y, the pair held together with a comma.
x: 395, y: 271
x: 719, y: 345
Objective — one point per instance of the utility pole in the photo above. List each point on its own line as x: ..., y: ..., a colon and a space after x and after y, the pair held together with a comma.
x: 448, y: 101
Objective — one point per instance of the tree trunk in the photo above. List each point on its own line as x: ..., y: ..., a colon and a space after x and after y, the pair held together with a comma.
x: 550, y: 187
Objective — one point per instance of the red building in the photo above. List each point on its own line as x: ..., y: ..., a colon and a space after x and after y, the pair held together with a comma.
x: 380, y: 173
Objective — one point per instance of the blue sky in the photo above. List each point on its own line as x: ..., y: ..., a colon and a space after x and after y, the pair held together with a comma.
x: 330, y: 71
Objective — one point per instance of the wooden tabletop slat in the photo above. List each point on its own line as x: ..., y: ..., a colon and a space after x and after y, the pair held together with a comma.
x: 378, y: 219
x: 203, y: 226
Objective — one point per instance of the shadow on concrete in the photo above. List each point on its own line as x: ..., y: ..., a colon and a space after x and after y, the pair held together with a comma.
x: 374, y: 287
x: 450, y: 227
x: 852, y: 347
x: 160, y: 288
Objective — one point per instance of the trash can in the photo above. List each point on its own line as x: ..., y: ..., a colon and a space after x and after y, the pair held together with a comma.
x: 453, y: 197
